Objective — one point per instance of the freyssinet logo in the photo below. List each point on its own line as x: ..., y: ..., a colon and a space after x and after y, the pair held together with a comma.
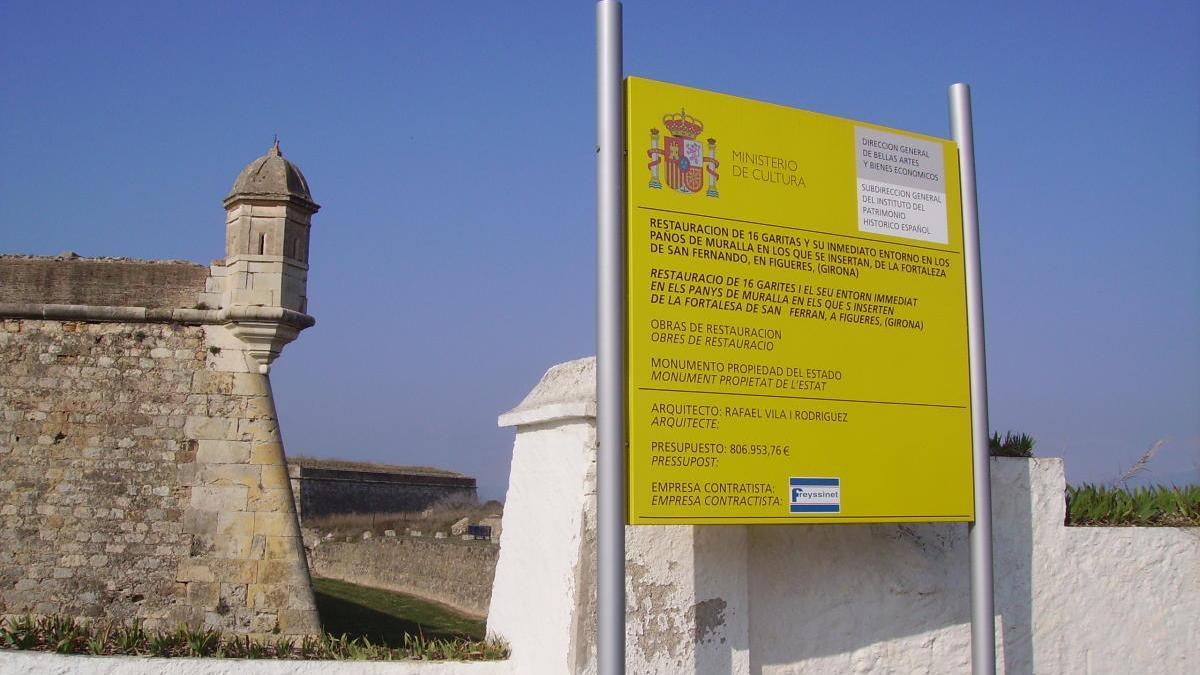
x: 683, y: 156
x: 815, y: 495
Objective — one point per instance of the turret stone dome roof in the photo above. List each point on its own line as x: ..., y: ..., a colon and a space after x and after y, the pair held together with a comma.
x: 272, y: 177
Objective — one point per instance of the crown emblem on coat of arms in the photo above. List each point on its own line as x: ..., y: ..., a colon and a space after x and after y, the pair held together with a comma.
x: 682, y: 124
x: 684, y: 159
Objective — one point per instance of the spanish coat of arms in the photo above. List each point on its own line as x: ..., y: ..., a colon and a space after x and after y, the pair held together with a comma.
x: 682, y: 156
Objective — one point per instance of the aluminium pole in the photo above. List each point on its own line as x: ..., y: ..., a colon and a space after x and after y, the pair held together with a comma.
x: 610, y: 342
x: 979, y: 532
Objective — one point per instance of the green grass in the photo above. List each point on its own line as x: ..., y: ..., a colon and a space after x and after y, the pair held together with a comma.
x: 385, y: 617
x: 1090, y: 504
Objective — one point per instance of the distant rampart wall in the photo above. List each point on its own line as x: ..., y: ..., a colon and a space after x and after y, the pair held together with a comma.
x: 331, y: 491
x: 451, y: 571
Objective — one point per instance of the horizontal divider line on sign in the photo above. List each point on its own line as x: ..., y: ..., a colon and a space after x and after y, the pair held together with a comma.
x: 801, y: 229
x: 803, y: 398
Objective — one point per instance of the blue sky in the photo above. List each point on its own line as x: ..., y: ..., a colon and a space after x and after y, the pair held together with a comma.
x: 451, y: 147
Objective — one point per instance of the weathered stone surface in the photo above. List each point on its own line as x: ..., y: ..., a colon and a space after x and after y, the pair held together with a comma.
x: 451, y: 571
x: 266, y: 453
x: 268, y: 499
x: 280, y: 524
x: 101, y: 281
x: 323, y: 490
x: 127, y: 487
x: 92, y: 465
x: 269, y: 176
x: 205, y: 498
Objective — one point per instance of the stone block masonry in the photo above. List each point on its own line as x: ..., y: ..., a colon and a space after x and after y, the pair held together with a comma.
x: 137, y: 482
x: 100, y: 282
x: 324, y: 488
x: 92, y: 438
x: 450, y: 571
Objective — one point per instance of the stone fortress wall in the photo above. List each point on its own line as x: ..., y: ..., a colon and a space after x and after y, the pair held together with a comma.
x: 142, y: 472
x: 325, y: 488
x: 451, y: 571
x: 101, y: 282
x: 91, y: 505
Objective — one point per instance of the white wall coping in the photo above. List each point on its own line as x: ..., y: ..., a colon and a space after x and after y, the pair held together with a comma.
x: 58, y: 664
x: 567, y: 391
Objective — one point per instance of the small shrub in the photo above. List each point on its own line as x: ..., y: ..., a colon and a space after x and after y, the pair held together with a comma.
x: 98, y: 638
x: 1011, y: 445
x: 361, y: 649
x: 234, y: 648
x: 19, y: 633
x: 63, y: 634
x: 284, y: 648
x: 131, y: 638
x: 202, y: 642
x: 455, y: 650
x: 312, y: 648
x: 161, y: 644
x: 255, y: 649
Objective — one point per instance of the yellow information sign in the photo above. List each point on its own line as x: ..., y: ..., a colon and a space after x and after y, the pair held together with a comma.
x: 797, y: 316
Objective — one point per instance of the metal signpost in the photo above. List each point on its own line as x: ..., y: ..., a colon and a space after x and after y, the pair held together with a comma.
x: 983, y: 623
x: 789, y: 330
x: 610, y: 342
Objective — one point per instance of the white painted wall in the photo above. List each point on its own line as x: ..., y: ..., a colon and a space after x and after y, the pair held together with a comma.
x: 538, y: 595
x: 23, y: 663
x: 769, y: 600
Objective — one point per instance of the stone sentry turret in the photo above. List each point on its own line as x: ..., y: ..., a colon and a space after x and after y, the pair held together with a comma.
x: 261, y: 286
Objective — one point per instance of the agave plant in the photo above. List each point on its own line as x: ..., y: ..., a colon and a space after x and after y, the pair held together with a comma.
x: 131, y: 638
x: 62, y: 633
x: 1090, y: 504
x: 161, y: 644
x: 202, y: 642
x: 1011, y: 445
x: 19, y: 633
x: 284, y: 648
x: 311, y: 647
x: 101, y: 636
